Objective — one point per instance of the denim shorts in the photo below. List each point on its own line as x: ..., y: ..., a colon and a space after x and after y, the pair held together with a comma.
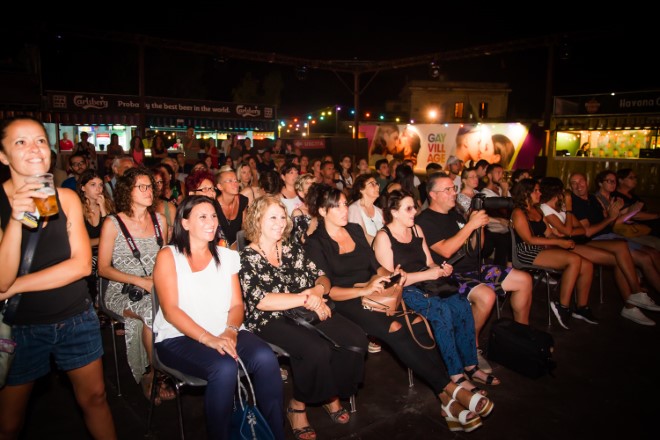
x: 73, y: 343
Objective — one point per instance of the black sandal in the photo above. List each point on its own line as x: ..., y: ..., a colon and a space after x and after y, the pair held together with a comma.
x: 298, y: 433
x: 490, y: 379
x: 337, y: 415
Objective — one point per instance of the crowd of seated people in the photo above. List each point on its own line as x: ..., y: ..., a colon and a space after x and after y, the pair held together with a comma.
x: 334, y: 234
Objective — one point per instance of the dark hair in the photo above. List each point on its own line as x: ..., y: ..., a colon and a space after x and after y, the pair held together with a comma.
x: 359, y: 184
x: 434, y: 177
x: 392, y: 201
x: 551, y: 187
x: 85, y: 177
x: 379, y: 162
x: 623, y: 173
x: 405, y: 177
x: 517, y: 173
x: 181, y: 238
x: 492, y: 167
x: 124, y: 188
x: 320, y: 196
x: 288, y: 166
x: 433, y: 166
x: 481, y: 163
x: 600, y: 177
x: 521, y: 192
x: 195, y: 179
x: 270, y: 182
x: 7, y: 122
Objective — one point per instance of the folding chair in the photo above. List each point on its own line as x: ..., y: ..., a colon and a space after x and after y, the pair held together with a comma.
x: 102, y: 286
x: 178, y: 378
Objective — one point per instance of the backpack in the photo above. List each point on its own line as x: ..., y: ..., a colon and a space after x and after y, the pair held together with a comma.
x: 521, y: 348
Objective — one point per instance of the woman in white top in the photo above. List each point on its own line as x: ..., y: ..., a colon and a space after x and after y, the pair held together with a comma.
x: 612, y: 253
x: 468, y: 190
x: 199, y: 322
x: 288, y: 194
x: 363, y: 211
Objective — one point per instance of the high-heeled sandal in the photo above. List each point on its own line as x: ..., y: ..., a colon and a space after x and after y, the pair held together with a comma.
x: 471, y: 375
x: 298, y: 433
x: 486, y: 409
x: 475, y: 389
x: 337, y: 415
x: 460, y: 423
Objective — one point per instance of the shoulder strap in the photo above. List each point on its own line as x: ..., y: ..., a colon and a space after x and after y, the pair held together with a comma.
x: 157, y: 231
x: 128, y: 237
x: 11, y: 305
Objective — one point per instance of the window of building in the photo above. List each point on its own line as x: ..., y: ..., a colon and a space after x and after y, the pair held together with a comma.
x: 458, y: 110
x: 483, y: 110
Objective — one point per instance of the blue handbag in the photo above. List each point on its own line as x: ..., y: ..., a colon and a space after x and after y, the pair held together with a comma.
x: 247, y: 423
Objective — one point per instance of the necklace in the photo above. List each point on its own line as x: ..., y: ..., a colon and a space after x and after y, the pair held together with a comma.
x: 277, y: 253
x: 230, y: 207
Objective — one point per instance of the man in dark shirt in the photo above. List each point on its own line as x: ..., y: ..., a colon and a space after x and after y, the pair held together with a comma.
x: 446, y: 231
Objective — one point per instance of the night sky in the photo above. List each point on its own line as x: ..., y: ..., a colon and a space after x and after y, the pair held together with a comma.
x: 597, y: 60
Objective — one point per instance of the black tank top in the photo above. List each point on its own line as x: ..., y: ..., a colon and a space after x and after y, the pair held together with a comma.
x: 411, y: 255
x: 54, y: 305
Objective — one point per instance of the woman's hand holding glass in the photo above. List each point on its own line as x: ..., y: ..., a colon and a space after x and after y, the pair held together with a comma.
x: 23, y: 199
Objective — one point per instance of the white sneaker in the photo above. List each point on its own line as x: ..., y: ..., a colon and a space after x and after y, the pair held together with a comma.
x: 636, y: 315
x: 641, y: 299
x: 483, y: 363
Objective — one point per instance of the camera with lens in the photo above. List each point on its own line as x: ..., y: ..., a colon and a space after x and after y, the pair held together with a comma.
x: 480, y: 201
x: 134, y: 293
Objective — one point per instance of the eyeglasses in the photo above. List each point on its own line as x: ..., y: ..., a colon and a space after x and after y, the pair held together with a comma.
x: 609, y: 181
x: 143, y: 187
x: 372, y: 183
x: 206, y: 189
x: 446, y: 190
x: 77, y: 164
x: 158, y: 182
x: 229, y: 181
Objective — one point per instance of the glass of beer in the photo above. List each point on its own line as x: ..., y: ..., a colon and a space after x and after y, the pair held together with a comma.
x: 47, y: 206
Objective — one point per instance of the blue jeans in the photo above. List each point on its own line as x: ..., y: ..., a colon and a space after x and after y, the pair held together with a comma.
x: 452, y: 323
x: 191, y: 357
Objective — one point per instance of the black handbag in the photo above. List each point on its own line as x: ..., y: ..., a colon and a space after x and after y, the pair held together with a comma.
x: 298, y: 314
x: 309, y: 319
x: 521, y: 348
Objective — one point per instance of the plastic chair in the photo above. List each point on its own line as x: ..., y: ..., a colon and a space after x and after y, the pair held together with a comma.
x: 102, y: 286
x: 178, y: 378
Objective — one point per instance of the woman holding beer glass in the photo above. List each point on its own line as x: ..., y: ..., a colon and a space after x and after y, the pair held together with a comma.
x: 55, y: 303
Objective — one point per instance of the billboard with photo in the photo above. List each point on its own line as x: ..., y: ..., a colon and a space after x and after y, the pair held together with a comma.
x: 424, y: 143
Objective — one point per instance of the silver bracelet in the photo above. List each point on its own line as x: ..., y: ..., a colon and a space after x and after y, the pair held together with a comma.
x: 233, y: 327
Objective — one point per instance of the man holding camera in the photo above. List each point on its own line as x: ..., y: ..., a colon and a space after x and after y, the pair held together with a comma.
x: 447, y: 232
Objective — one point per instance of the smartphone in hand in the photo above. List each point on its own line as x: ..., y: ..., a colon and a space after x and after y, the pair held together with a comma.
x: 394, y: 279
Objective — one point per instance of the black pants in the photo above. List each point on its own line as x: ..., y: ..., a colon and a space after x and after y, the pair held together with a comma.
x: 320, y: 372
x: 427, y: 364
x: 501, y: 243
